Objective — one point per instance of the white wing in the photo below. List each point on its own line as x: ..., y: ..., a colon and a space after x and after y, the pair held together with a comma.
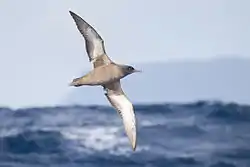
x: 125, y: 109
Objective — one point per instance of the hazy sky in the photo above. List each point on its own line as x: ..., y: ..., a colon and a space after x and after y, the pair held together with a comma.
x: 42, y: 51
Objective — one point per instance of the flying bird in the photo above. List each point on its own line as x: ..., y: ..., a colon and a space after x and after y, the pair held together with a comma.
x: 108, y: 74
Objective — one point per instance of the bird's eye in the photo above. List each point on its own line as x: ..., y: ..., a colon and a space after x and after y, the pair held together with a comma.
x: 130, y: 68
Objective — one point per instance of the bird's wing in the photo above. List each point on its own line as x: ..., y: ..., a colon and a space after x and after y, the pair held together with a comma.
x: 124, y: 107
x: 93, y: 42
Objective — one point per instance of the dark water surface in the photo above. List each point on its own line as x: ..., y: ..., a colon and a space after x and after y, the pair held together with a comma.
x: 201, y: 134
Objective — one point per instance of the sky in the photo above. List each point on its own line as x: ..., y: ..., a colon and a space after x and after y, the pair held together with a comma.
x: 42, y: 51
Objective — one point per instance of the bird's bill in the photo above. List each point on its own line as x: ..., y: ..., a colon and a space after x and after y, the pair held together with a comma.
x: 71, y: 84
x: 137, y: 70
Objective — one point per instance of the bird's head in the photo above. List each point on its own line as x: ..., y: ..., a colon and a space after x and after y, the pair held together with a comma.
x: 127, y: 69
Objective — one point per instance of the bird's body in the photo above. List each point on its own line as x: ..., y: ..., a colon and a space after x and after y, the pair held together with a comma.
x: 100, y: 75
x: 107, y: 74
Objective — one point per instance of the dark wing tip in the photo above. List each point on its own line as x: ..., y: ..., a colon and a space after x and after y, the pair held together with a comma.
x: 71, y: 13
x: 80, y: 22
x: 74, y: 15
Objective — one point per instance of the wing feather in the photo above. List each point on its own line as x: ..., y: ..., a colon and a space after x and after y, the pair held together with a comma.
x: 93, y: 41
x: 124, y: 107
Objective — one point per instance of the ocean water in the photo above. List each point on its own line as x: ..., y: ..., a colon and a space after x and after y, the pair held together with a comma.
x: 201, y: 134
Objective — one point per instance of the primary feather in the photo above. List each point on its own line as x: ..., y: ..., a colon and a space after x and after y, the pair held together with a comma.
x: 93, y: 41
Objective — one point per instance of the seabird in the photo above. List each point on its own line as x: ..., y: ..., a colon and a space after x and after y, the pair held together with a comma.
x: 106, y: 73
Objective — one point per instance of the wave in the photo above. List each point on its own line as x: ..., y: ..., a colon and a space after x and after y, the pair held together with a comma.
x: 162, y: 108
x: 42, y: 142
x: 168, y: 134
x: 230, y: 112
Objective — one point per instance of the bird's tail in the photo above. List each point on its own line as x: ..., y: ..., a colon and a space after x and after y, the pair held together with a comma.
x: 76, y: 82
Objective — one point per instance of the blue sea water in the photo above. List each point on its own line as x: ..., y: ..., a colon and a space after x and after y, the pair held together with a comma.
x: 201, y: 134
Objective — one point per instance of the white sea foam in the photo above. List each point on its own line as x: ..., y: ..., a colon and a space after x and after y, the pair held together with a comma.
x: 148, y: 123
x: 9, y: 132
x: 100, y: 138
